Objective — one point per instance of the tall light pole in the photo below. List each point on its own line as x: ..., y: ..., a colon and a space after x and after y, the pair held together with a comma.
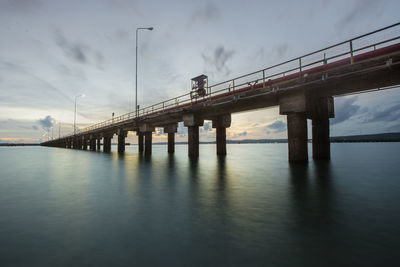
x: 81, y: 95
x: 137, y: 30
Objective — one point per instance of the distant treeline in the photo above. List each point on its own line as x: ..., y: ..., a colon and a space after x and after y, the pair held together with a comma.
x: 385, y: 137
x: 16, y: 144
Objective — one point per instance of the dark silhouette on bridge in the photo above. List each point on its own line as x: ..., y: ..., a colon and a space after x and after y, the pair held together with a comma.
x: 303, y: 88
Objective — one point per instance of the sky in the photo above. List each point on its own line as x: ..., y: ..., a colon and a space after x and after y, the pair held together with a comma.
x: 52, y: 51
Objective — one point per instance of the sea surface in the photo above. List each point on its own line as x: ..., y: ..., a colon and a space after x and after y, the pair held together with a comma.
x: 63, y: 207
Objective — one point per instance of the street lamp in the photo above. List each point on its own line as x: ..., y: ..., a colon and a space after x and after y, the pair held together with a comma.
x: 81, y: 95
x: 137, y: 30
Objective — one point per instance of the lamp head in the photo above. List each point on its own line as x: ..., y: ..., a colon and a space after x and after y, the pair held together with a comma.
x: 150, y: 28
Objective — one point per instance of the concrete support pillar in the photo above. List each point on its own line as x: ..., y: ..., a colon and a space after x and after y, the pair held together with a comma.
x: 193, y: 121
x: 171, y: 143
x: 140, y: 142
x: 78, y: 142
x: 121, y: 141
x: 322, y: 109
x: 193, y: 141
x: 321, y: 145
x: 147, y: 130
x: 107, y: 143
x: 171, y: 129
x: 98, y: 140
x: 85, y: 144
x: 148, y: 143
x: 221, y: 140
x: 93, y: 144
x: 220, y: 123
x: 297, y: 137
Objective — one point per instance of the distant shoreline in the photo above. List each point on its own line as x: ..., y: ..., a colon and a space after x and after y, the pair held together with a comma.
x: 369, y: 138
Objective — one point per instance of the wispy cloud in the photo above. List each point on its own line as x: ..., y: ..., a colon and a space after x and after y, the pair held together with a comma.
x: 383, y: 113
x: 345, y: 108
x: 204, y: 14
x: 360, y: 10
x: 276, y: 127
x: 79, y: 52
x: 19, y: 6
x: 218, y: 59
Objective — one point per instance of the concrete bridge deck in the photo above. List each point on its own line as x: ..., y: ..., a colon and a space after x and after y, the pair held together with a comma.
x: 303, y: 88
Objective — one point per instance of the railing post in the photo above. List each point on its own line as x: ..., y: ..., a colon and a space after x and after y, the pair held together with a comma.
x: 300, y: 66
x: 233, y: 85
x: 263, y: 78
x: 351, y: 53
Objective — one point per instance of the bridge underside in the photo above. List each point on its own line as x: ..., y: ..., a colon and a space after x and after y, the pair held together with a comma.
x: 306, y: 95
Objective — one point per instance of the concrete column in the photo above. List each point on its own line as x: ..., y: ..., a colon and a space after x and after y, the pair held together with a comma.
x: 193, y: 121
x: 93, y: 144
x: 98, y: 140
x: 321, y: 110
x: 140, y: 142
x: 321, y: 145
x: 297, y: 137
x: 171, y: 143
x: 193, y: 141
x: 85, y: 143
x: 148, y: 143
x: 171, y: 129
x: 221, y: 140
x: 220, y: 124
x: 147, y: 130
x: 107, y: 143
x: 121, y: 141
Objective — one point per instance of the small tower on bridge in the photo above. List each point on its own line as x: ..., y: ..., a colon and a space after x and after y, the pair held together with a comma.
x: 199, y: 86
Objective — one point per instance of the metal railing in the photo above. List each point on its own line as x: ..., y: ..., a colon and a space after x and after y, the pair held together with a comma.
x: 344, y: 50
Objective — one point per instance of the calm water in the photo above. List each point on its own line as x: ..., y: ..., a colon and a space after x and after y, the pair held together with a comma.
x: 62, y: 207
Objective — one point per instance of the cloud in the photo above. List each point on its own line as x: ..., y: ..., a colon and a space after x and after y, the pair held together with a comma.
x: 34, y: 127
x: 277, y: 126
x: 79, y: 52
x: 75, y: 51
x: 386, y: 114
x: 278, y: 51
x: 359, y: 10
x: 182, y: 130
x: 207, y: 127
x: 207, y: 13
x: 218, y: 59
x: 19, y: 6
x: 47, y: 122
x: 345, y: 108
x: 159, y: 131
x: 242, y: 133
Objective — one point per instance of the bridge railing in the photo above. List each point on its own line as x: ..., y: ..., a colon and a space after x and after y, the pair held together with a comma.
x: 343, y: 50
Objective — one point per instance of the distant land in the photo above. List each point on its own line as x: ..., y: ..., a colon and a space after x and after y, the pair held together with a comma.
x: 384, y: 137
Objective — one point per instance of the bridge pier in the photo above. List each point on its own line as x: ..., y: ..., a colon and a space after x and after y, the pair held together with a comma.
x: 148, y: 143
x: 147, y: 130
x: 193, y: 122
x: 322, y: 110
x: 121, y: 140
x: 107, y: 143
x: 98, y: 143
x: 93, y: 144
x: 297, y: 137
x: 220, y: 124
x: 140, y: 141
x: 171, y: 129
x: 85, y: 143
x: 294, y: 106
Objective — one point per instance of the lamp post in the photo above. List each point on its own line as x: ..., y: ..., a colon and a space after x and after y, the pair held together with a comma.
x: 137, y: 30
x: 81, y: 95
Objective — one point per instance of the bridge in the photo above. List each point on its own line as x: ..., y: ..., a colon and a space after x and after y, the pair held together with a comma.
x: 303, y: 88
